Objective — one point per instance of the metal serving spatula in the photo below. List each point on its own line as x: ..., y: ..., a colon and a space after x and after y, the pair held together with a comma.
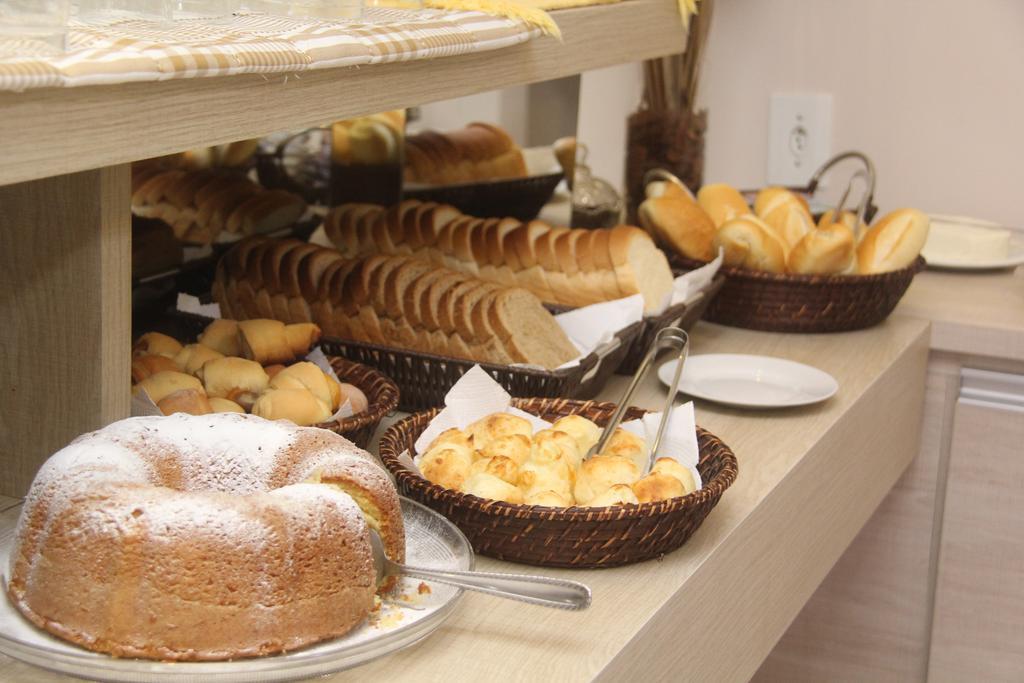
x: 537, y: 590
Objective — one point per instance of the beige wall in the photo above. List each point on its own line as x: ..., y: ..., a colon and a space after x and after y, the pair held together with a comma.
x: 932, y: 90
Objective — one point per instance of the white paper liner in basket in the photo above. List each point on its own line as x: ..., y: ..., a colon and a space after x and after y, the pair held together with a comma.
x: 477, y: 395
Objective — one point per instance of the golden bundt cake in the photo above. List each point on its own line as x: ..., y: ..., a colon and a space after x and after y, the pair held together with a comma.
x: 202, y: 538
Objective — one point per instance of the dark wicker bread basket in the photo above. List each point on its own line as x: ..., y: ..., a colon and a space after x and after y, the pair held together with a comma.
x: 520, y: 198
x: 382, y: 395
x: 788, y: 302
x: 425, y: 378
x: 566, y: 537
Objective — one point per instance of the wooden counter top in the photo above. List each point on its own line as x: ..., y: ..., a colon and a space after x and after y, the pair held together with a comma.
x: 809, y: 478
x: 979, y: 314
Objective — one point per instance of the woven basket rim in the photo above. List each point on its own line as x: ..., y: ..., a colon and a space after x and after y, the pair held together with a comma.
x: 380, y: 402
x: 489, y: 183
x: 815, y: 280
x: 711, y: 490
x: 626, y: 336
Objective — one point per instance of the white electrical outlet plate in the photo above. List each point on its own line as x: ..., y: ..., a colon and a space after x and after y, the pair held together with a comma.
x: 799, y: 136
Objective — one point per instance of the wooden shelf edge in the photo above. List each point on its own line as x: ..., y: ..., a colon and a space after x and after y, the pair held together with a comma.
x: 58, y: 131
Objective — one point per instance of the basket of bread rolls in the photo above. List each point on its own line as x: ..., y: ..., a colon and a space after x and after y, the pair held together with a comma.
x: 787, y: 271
x: 531, y: 496
x: 258, y: 366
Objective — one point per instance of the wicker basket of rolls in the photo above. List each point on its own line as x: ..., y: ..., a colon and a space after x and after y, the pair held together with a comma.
x: 256, y: 367
x: 615, y: 527
x: 786, y: 272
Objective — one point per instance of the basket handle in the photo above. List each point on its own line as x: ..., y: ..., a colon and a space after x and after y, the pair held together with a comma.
x: 867, y: 209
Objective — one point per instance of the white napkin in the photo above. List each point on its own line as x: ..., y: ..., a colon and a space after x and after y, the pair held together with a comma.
x: 687, y: 286
x: 477, y: 395
x: 143, y: 406
x: 590, y: 328
x: 190, y: 304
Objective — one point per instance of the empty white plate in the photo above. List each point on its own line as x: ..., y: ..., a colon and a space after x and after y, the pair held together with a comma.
x: 751, y: 381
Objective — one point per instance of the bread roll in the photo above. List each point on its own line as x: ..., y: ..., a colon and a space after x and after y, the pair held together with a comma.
x: 750, y: 244
x: 265, y: 341
x: 502, y: 467
x: 547, y: 498
x: 784, y: 213
x: 658, y: 486
x: 222, y: 336
x: 237, y: 379
x: 516, y: 447
x: 668, y: 189
x: 681, y: 224
x: 672, y: 467
x: 722, y: 203
x: 537, y: 477
x: 304, y: 375
x: 192, y: 356
x: 302, y: 337
x: 894, y: 242
x: 355, y: 396
x: 156, y: 344
x: 162, y: 384
x: 223, y: 405
x: 191, y: 401
x: 296, y: 404
x: 447, y: 465
x: 490, y: 487
x: 145, y: 366
x: 847, y: 218
x: 824, y: 251
x: 453, y: 436
x: 494, y: 426
x: 619, y: 494
x: 552, y: 444
x: 584, y: 431
x: 628, y: 445
x: 600, y: 473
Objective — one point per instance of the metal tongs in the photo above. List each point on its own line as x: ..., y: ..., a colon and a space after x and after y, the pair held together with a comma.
x: 667, y: 338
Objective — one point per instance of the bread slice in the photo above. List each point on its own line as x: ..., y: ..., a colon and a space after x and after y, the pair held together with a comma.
x: 531, y: 275
x: 565, y: 252
x: 378, y: 294
x: 462, y: 312
x: 462, y: 249
x: 556, y: 278
x: 311, y: 269
x: 298, y: 308
x: 322, y: 307
x: 488, y: 343
x: 640, y: 267
x: 272, y: 262
x: 528, y: 330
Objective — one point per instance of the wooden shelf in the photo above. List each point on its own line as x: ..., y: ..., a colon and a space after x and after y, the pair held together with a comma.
x: 65, y: 130
x: 711, y: 611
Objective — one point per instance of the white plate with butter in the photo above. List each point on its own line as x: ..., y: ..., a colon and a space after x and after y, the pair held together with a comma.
x: 960, y: 243
x: 751, y: 381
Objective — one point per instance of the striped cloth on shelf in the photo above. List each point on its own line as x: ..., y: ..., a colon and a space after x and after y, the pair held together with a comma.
x: 126, y: 50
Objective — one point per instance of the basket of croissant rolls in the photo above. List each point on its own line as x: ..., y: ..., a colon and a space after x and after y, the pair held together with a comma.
x: 256, y: 366
x: 786, y: 272
x: 533, y: 498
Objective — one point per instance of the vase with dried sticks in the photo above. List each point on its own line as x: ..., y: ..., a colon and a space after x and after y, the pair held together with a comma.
x: 668, y: 131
